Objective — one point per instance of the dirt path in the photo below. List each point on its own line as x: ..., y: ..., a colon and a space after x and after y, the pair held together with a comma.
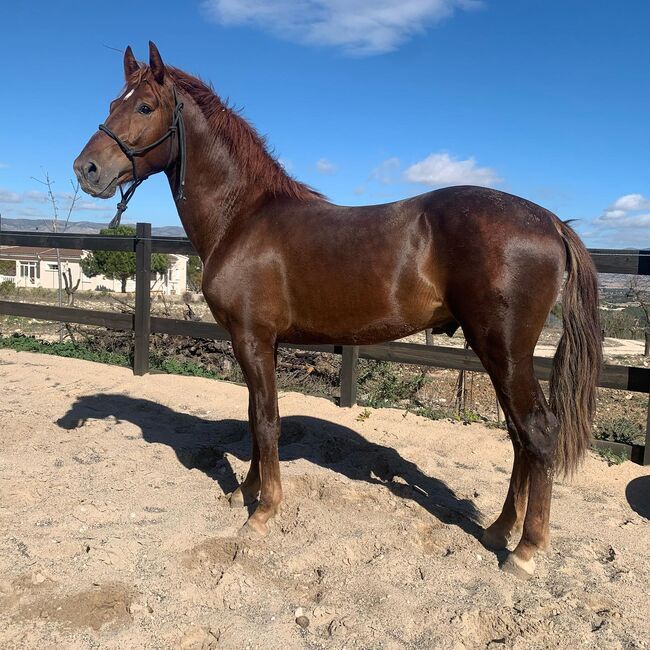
x: 116, y: 531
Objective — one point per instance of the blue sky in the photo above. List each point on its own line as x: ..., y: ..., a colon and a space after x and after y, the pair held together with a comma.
x: 367, y: 100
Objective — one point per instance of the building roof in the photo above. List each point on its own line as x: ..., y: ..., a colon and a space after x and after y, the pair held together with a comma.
x: 34, y: 253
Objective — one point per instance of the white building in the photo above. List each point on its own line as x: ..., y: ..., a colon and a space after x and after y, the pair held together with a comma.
x: 37, y: 267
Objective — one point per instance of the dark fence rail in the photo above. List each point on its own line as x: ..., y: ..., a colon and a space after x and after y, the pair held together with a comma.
x: 629, y: 378
x: 607, y: 260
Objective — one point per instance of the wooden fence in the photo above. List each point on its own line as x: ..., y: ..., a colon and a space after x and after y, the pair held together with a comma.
x: 628, y: 378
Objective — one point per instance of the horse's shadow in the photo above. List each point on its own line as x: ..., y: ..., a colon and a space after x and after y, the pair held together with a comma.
x: 202, y: 444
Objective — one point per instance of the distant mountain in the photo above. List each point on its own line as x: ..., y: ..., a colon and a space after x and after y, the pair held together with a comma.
x: 80, y: 227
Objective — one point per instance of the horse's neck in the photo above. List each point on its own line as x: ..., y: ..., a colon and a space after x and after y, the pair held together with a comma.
x: 216, y: 193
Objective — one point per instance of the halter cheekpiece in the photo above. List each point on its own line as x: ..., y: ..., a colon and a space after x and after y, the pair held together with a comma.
x: 177, y: 127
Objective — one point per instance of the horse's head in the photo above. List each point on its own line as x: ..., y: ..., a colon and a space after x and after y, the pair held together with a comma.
x: 134, y: 141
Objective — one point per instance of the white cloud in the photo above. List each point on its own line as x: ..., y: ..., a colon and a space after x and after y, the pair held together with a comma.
x: 36, y: 196
x: 625, y: 222
x: 628, y: 211
x: 631, y: 202
x: 324, y: 166
x: 4, y: 165
x: 90, y: 205
x: 613, y: 214
x: 63, y: 199
x: 9, y: 197
x: 386, y: 171
x: 440, y: 169
x: 362, y: 27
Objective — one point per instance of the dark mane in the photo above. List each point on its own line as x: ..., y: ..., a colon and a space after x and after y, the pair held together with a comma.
x: 243, y: 141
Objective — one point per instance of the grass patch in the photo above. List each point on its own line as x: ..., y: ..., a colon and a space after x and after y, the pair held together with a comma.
x: 188, y: 368
x: 380, y: 386
x: 435, y: 413
x: 70, y: 349
x: 22, y: 343
x: 611, y: 457
x: 364, y: 415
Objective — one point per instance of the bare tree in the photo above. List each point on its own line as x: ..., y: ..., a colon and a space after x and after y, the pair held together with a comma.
x: 74, y: 197
x: 638, y: 289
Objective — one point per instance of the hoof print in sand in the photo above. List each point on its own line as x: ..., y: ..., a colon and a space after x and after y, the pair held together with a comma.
x: 94, y: 608
x: 213, y: 554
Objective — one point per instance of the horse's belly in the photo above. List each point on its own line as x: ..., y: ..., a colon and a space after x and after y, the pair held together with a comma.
x: 365, y: 327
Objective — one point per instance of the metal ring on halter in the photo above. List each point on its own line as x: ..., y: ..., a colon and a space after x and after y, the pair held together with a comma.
x: 177, y: 127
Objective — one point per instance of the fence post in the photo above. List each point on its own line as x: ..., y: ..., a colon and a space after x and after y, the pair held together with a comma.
x: 428, y: 335
x: 142, y: 298
x: 349, y: 371
x: 646, y: 454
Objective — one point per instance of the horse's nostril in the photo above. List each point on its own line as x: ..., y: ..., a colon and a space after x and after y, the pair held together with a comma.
x: 92, y: 171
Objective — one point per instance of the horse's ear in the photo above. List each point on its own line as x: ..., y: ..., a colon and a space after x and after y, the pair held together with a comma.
x: 130, y: 64
x: 156, y: 63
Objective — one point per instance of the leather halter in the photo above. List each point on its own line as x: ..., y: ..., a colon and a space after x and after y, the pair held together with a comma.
x: 177, y: 127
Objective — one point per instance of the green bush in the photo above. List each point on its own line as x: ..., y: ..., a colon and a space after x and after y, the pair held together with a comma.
x: 618, y: 430
x: 383, y: 387
x: 7, y: 288
x: 176, y: 367
x: 611, y: 457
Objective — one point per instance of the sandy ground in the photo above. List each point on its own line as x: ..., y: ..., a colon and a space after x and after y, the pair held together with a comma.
x: 117, y: 533
x: 612, y: 348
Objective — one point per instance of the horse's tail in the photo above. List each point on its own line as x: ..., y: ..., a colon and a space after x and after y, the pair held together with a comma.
x: 576, y: 365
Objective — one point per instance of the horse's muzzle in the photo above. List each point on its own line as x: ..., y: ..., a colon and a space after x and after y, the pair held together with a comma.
x: 92, y: 181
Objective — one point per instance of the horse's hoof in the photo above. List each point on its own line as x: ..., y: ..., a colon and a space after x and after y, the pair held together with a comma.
x: 253, y: 530
x: 523, y: 569
x: 494, y: 540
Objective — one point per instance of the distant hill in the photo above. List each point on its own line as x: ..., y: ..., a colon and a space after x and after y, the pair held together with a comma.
x: 80, y: 227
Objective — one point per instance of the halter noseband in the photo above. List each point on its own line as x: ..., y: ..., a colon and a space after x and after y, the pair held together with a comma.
x: 177, y: 127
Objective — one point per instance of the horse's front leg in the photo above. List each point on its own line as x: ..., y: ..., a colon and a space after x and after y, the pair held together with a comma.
x: 256, y: 356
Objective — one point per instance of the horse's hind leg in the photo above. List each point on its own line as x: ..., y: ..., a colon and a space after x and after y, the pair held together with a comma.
x: 537, y: 429
x: 511, y: 519
x: 505, y: 346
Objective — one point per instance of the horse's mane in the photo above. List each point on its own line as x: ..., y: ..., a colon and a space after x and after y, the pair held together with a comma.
x: 245, y: 144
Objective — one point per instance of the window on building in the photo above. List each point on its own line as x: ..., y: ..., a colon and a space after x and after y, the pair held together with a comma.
x: 53, y: 267
x: 30, y: 270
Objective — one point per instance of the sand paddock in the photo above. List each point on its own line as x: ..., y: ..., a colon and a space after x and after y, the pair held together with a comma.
x: 117, y: 533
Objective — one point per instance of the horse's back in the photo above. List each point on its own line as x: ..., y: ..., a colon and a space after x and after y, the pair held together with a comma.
x: 483, y: 213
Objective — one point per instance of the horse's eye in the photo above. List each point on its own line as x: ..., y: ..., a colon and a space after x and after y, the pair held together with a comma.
x: 144, y: 109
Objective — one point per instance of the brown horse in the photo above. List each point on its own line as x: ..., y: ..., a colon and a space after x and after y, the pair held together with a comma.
x: 282, y: 264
